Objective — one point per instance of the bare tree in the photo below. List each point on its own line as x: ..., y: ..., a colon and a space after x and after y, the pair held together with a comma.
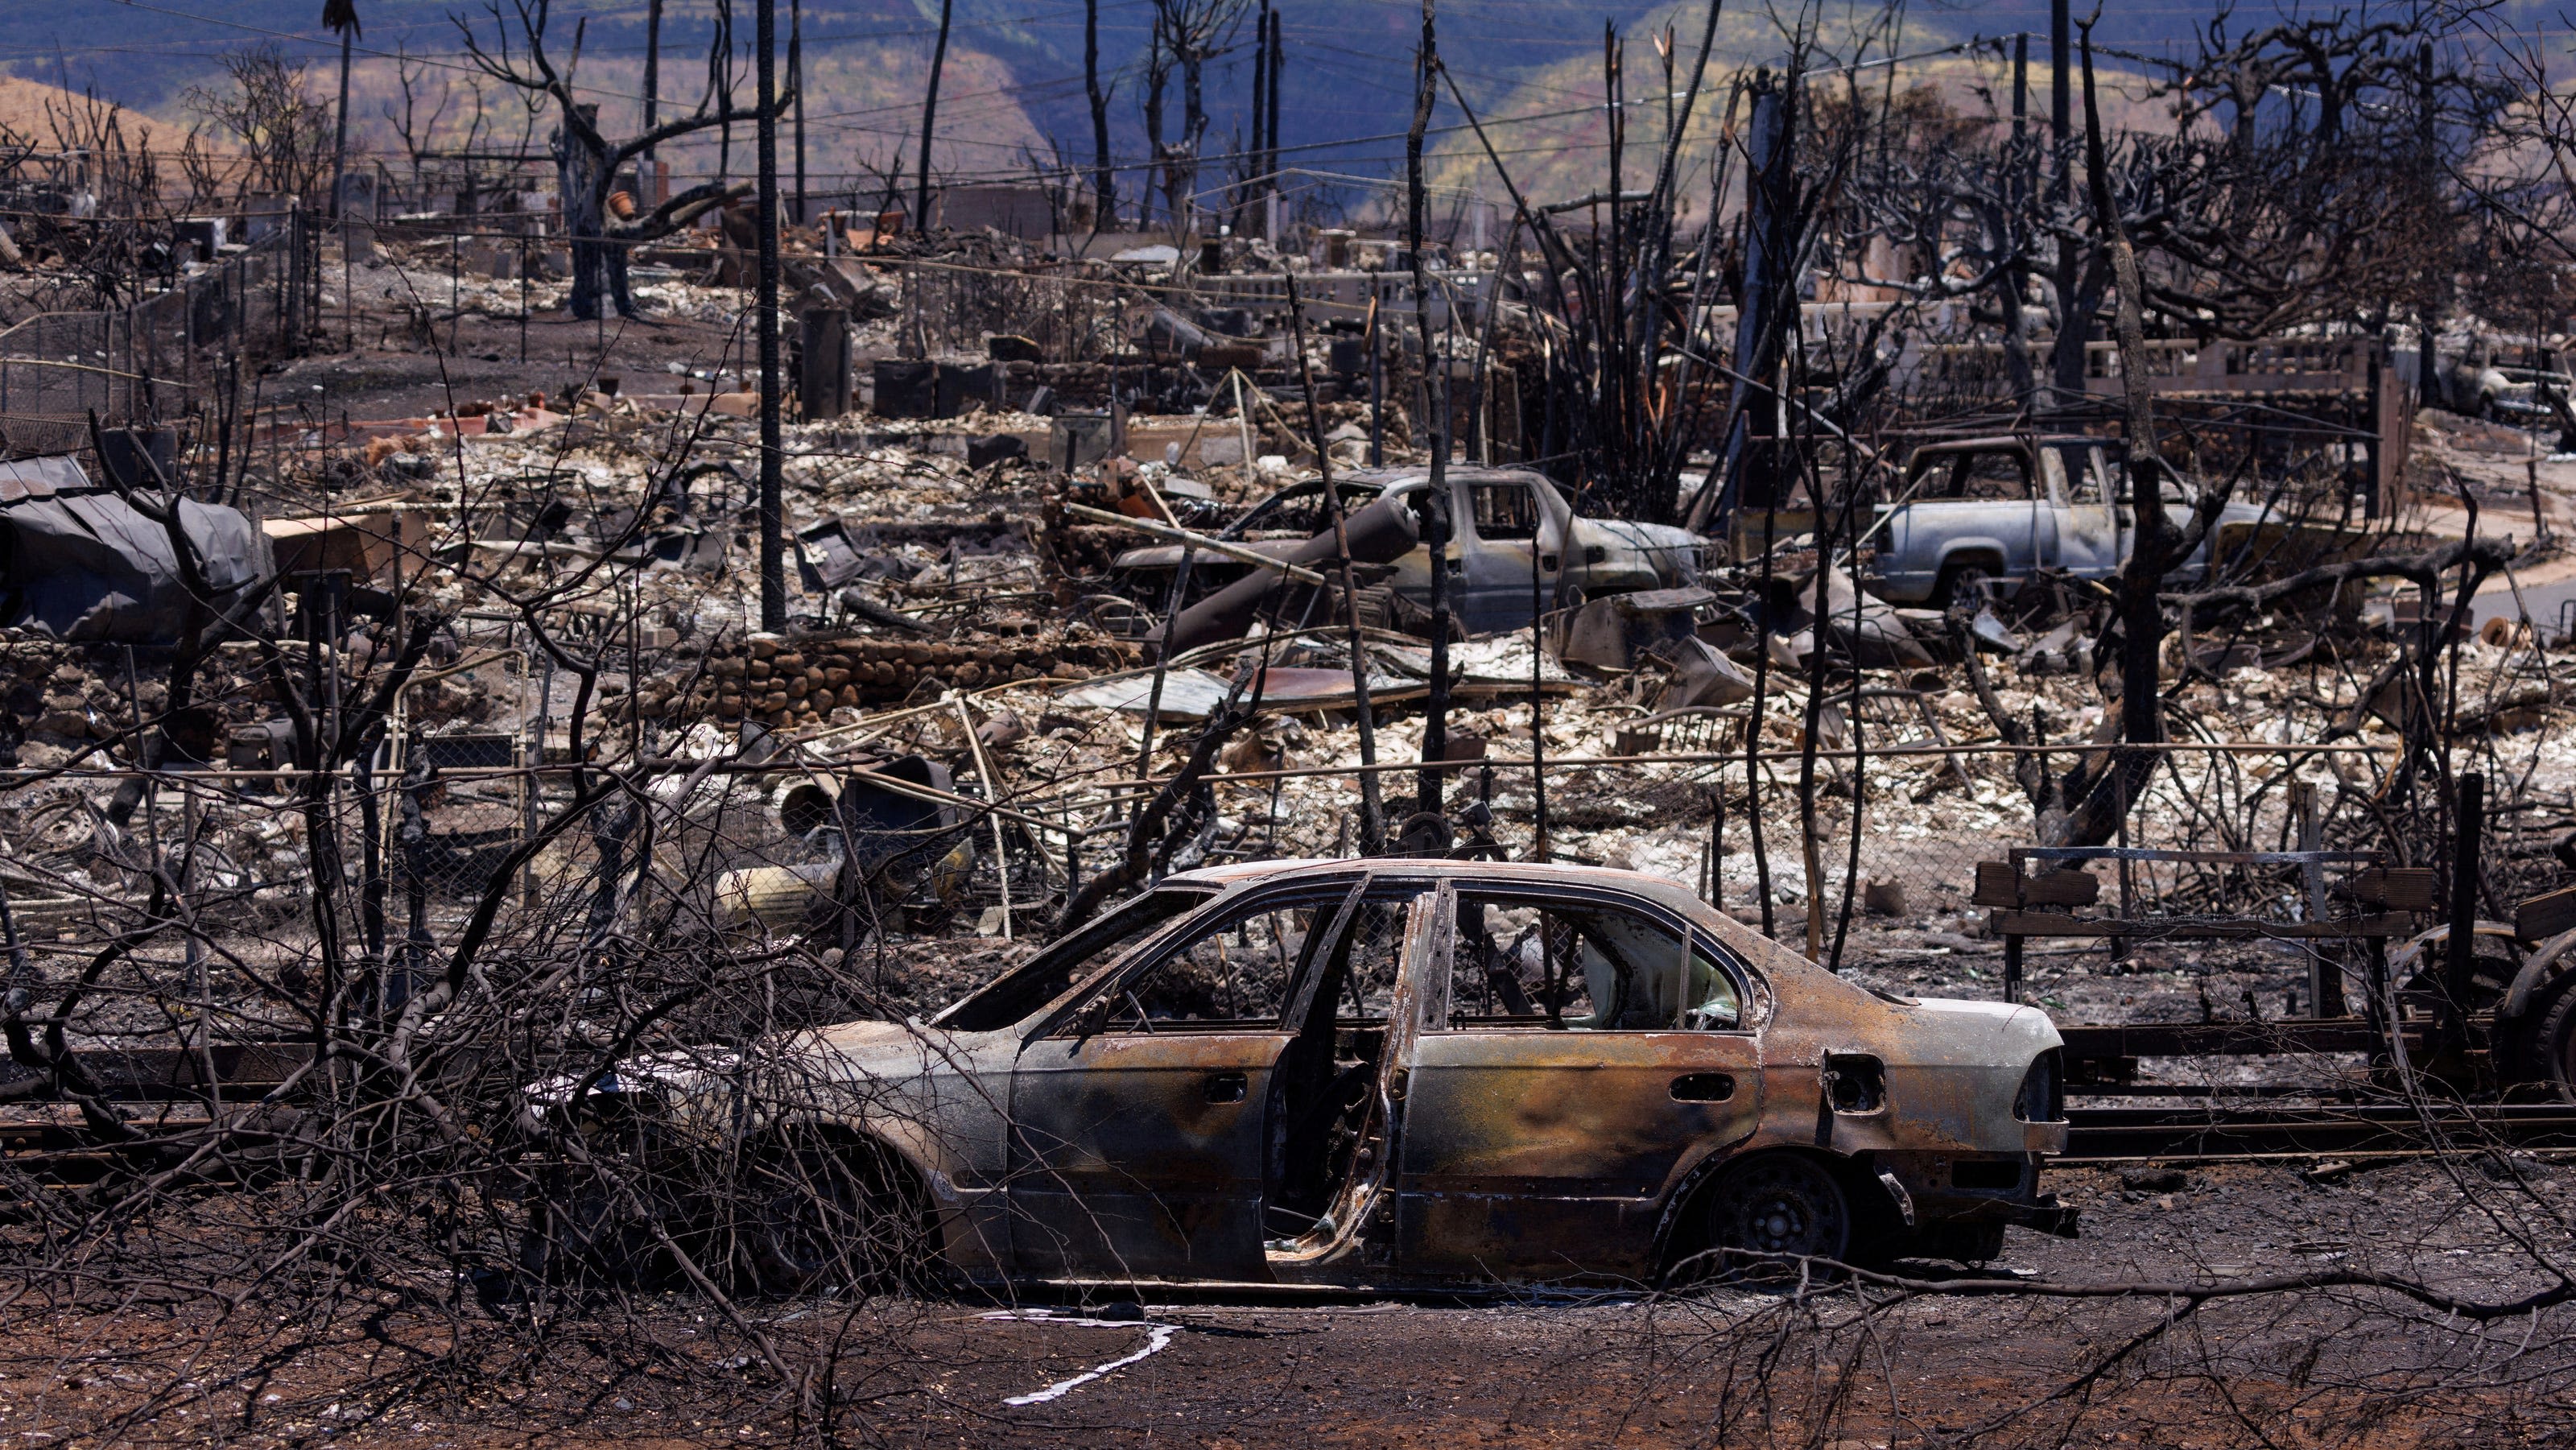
x: 588, y: 163
x: 284, y: 134
x: 420, y: 109
x: 1187, y: 34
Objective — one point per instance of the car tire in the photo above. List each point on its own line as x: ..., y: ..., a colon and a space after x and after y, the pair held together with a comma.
x: 820, y: 1213
x: 585, y: 1234
x: 1775, y: 1220
x: 2549, y: 1051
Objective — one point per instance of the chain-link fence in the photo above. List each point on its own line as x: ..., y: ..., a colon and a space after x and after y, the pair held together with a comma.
x: 1072, y: 315
x: 139, y: 363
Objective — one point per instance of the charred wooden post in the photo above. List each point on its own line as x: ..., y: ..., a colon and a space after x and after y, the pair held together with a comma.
x: 1435, y: 721
x: 773, y: 555
x: 2468, y: 824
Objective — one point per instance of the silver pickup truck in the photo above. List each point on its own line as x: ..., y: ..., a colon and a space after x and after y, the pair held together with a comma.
x: 2006, y: 507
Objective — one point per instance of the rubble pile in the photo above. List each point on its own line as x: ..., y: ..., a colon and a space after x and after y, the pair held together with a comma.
x: 787, y: 682
x: 60, y: 697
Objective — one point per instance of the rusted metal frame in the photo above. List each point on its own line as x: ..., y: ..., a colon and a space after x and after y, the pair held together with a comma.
x: 2207, y: 858
x: 2468, y: 825
x: 2014, y: 925
x: 1357, y: 1206
x: 1145, y: 955
x: 1435, y: 968
x: 1311, y: 1018
x: 1301, y: 998
x: 2087, y: 1042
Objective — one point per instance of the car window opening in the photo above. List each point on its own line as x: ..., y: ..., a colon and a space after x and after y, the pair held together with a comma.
x: 1020, y: 993
x: 1504, y: 510
x: 1990, y: 474
x: 1583, y: 968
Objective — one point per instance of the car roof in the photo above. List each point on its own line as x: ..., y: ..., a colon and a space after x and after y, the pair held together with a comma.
x: 1516, y: 872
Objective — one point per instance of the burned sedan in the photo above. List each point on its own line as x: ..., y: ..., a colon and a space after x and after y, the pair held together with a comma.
x: 1389, y: 1073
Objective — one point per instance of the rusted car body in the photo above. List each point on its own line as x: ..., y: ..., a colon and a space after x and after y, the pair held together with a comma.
x: 1385, y: 1073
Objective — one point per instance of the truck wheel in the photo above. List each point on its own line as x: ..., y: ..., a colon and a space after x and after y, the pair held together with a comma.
x: 1963, y: 590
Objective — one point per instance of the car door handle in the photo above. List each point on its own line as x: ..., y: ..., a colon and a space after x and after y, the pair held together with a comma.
x: 1226, y: 1087
x: 1703, y: 1087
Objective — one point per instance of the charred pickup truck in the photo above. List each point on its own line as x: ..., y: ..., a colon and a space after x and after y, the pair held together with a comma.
x: 1513, y: 540
x: 2003, y: 508
x: 1365, y: 1074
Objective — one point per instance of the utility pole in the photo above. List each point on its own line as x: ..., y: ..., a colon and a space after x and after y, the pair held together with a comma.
x: 1104, y: 183
x: 2021, y: 87
x: 652, y: 77
x: 1745, y: 472
x: 1270, y: 155
x: 342, y: 16
x: 2072, y: 331
x: 930, y: 122
x: 796, y: 85
x: 773, y: 565
x: 2429, y: 391
x: 2061, y: 95
x: 1260, y: 109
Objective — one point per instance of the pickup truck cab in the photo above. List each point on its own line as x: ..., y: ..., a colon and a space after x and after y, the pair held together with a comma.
x: 2006, y: 507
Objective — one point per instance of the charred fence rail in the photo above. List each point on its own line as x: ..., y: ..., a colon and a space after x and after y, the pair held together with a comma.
x: 139, y: 363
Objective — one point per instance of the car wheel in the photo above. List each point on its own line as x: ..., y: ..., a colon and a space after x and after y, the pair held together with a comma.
x: 2549, y: 1056
x: 818, y: 1213
x: 1762, y: 1219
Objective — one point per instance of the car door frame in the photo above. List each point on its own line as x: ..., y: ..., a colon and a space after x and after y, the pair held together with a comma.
x: 1362, y: 1241
x: 2101, y: 562
x: 1493, y: 575
x: 1482, y: 1226
x: 1156, y: 1216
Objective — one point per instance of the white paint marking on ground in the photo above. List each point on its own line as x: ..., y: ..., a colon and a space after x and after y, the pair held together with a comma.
x: 1156, y: 1337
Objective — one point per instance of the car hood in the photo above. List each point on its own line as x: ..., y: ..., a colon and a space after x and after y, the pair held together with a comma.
x: 694, y: 1082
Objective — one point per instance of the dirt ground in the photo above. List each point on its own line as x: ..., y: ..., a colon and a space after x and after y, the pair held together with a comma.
x: 1575, y: 1369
